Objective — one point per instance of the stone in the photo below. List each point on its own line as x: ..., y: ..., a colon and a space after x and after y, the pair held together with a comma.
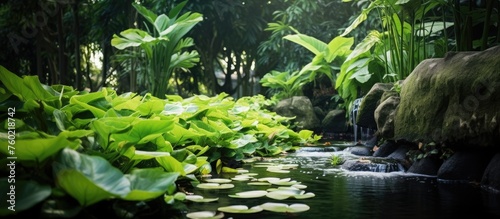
x: 335, y: 121
x: 384, y: 116
x: 465, y: 166
x: 491, y: 176
x: 426, y: 166
x: 365, y: 117
x: 301, y: 108
x: 455, y: 99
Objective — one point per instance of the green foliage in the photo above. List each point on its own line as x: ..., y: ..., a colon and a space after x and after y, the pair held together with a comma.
x: 337, y: 159
x: 285, y: 84
x: 129, y: 147
x: 163, y: 46
x: 408, y: 36
x: 432, y: 149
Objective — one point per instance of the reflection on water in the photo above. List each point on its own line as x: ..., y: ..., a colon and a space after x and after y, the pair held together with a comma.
x: 343, y: 194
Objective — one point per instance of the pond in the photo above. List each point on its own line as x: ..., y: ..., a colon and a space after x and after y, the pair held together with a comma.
x: 357, y: 194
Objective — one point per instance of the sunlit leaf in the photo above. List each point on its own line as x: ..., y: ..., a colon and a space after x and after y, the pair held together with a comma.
x: 204, y: 215
x: 284, y: 208
x: 240, y: 209
x: 249, y: 194
x: 199, y: 198
x: 215, y: 186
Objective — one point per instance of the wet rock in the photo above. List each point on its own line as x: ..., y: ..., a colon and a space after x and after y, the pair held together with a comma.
x: 455, y: 99
x: 491, y: 176
x: 302, y: 109
x: 371, y: 100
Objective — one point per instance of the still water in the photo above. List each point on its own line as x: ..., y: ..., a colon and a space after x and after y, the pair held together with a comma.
x: 345, y: 194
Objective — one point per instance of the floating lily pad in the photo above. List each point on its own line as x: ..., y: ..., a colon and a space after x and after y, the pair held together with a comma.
x: 284, y: 208
x: 250, y: 194
x: 259, y: 184
x: 199, y: 198
x: 242, y: 209
x: 282, y: 194
x: 215, y: 186
x: 267, y: 179
x: 277, y: 170
x: 204, y: 215
x: 299, y: 186
x: 218, y: 180
x: 246, y: 178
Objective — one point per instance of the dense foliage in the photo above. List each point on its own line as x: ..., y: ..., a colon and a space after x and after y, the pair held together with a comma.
x: 125, y: 146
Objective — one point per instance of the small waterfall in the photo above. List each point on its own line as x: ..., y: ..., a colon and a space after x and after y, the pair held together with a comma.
x: 379, y: 165
x: 365, y: 133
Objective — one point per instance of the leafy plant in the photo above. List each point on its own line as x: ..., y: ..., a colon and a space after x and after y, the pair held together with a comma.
x: 128, y: 147
x: 408, y: 36
x: 337, y: 159
x: 431, y: 149
x: 289, y: 84
x: 163, y: 45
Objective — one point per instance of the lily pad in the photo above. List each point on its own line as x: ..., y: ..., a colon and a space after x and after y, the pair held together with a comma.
x: 241, y: 209
x: 259, y: 184
x: 284, y: 208
x: 250, y: 194
x: 215, y: 186
x: 199, y: 198
x: 204, y: 215
x: 218, y: 180
x: 282, y: 194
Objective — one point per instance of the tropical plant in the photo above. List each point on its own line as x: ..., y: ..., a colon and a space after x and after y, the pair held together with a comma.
x: 126, y: 147
x: 408, y: 36
x: 163, y: 45
x: 337, y: 159
x: 325, y: 62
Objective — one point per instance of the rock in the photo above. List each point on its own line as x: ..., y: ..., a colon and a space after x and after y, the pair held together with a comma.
x: 301, y: 108
x: 365, y: 117
x: 360, y: 150
x: 335, y: 121
x: 491, y: 176
x: 426, y: 166
x: 455, y: 99
x: 465, y: 166
x: 385, y: 149
x: 384, y: 117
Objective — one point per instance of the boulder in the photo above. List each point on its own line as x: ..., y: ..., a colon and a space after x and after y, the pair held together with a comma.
x: 301, y: 108
x: 365, y: 116
x: 455, y: 99
x: 384, y: 116
x: 335, y: 121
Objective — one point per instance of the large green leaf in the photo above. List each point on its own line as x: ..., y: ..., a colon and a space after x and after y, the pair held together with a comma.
x: 149, y: 15
x: 25, y: 195
x: 338, y: 46
x: 89, y: 179
x: 147, y: 184
x: 312, y: 44
x: 171, y: 164
x: 37, y: 149
x: 145, y: 131
x: 28, y: 87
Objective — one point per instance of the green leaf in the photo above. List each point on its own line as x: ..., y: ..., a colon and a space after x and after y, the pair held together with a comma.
x: 28, y: 87
x: 89, y: 179
x: 312, y: 44
x: 249, y: 194
x: 147, y: 184
x: 215, y: 186
x: 149, y: 15
x: 199, y: 198
x: 240, y: 209
x: 145, y: 130
x: 26, y: 194
x: 284, y: 208
x: 171, y: 164
x: 37, y: 149
x: 337, y: 47
x: 204, y: 215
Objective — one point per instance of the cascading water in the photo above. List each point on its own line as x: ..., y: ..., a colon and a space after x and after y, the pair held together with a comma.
x: 365, y: 133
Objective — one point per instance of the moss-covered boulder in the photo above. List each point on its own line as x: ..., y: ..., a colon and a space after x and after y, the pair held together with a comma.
x: 365, y: 117
x: 455, y: 100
